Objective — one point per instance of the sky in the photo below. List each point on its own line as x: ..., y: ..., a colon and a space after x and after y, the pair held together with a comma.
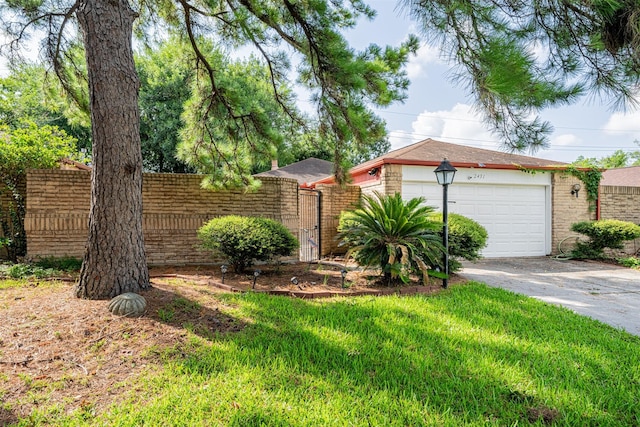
x: 436, y: 108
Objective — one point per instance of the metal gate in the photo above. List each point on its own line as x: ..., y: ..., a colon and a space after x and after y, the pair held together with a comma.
x: 309, y: 213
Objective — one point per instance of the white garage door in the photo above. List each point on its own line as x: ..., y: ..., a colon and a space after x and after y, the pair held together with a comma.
x: 517, y: 217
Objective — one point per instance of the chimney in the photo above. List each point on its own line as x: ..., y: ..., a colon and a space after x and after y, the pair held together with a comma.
x: 274, y: 164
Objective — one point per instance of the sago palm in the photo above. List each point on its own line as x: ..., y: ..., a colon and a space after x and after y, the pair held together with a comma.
x: 396, y: 235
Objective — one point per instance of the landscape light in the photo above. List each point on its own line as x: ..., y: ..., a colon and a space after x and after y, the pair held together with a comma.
x: 224, y: 269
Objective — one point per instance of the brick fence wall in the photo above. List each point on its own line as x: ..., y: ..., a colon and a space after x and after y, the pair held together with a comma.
x: 621, y: 203
x: 174, y: 207
x: 335, y: 199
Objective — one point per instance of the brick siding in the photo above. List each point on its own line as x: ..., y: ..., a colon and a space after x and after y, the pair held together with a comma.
x: 567, y: 208
x: 390, y: 181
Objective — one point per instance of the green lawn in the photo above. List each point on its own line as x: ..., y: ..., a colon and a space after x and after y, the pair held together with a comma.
x: 472, y: 355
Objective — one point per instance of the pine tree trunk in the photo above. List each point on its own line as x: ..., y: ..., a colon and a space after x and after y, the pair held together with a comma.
x: 114, y: 260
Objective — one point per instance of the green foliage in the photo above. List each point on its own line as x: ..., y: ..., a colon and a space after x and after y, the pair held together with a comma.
x: 244, y: 240
x: 466, y: 239
x: 32, y: 147
x: 606, y: 233
x: 630, y: 262
x: 589, y: 46
x: 165, y: 86
x: 589, y: 174
x: 22, y: 148
x: 619, y: 159
x: 397, y: 236
x: 26, y: 271
x: 30, y: 95
x: 65, y: 264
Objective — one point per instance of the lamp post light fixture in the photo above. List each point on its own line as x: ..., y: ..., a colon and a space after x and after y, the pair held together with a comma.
x: 255, y: 277
x: 224, y: 269
x: 343, y: 273
x: 444, y: 174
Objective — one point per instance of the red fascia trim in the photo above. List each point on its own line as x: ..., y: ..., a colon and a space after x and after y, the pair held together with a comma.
x: 357, y: 171
x: 503, y: 166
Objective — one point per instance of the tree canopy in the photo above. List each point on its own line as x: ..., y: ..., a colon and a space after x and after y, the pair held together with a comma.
x: 618, y: 159
x: 296, y: 43
x: 31, y: 96
x: 518, y: 57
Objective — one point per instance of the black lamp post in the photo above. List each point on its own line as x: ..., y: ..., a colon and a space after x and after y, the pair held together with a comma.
x: 444, y: 174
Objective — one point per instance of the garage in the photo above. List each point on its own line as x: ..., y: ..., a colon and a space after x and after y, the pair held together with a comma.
x: 522, y: 210
x: 514, y: 207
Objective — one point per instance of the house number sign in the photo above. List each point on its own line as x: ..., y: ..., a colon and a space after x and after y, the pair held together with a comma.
x: 476, y: 177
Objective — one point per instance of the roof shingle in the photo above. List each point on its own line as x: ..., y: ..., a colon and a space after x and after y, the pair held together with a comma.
x: 625, y: 177
x: 433, y: 151
x: 304, y: 171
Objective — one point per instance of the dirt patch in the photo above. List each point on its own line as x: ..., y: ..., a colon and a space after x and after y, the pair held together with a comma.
x: 56, y: 349
x: 304, y: 280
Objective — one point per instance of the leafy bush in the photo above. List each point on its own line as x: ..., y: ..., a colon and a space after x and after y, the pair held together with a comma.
x: 630, y: 262
x: 466, y: 239
x: 605, y: 233
x: 244, y: 240
x: 4, y: 241
x: 66, y: 264
x: 25, y: 271
x: 397, y: 236
x: 27, y: 147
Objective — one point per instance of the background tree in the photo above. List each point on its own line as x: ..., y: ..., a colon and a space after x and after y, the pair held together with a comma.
x: 168, y: 78
x: 619, y: 159
x: 343, y: 83
x: 27, y: 147
x: 590, y: 46
x: 165, y: 79
x: 29, y: 95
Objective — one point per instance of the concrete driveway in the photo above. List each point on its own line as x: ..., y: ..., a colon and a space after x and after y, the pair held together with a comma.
x: 604, y: 292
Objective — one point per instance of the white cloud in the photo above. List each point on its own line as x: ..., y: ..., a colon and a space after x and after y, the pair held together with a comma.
x: 621, y: 123
x: 417, y: 66
x: 567, y: 139
x: 460, y: 125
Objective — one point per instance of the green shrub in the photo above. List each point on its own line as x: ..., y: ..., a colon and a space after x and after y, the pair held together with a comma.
x: 397, y: 236
x: 66, y: 264
x: 630, y: 262
x: 605, y: 233
x: 466, y: 239
x: 25, y: 271
x: 244, y: 240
